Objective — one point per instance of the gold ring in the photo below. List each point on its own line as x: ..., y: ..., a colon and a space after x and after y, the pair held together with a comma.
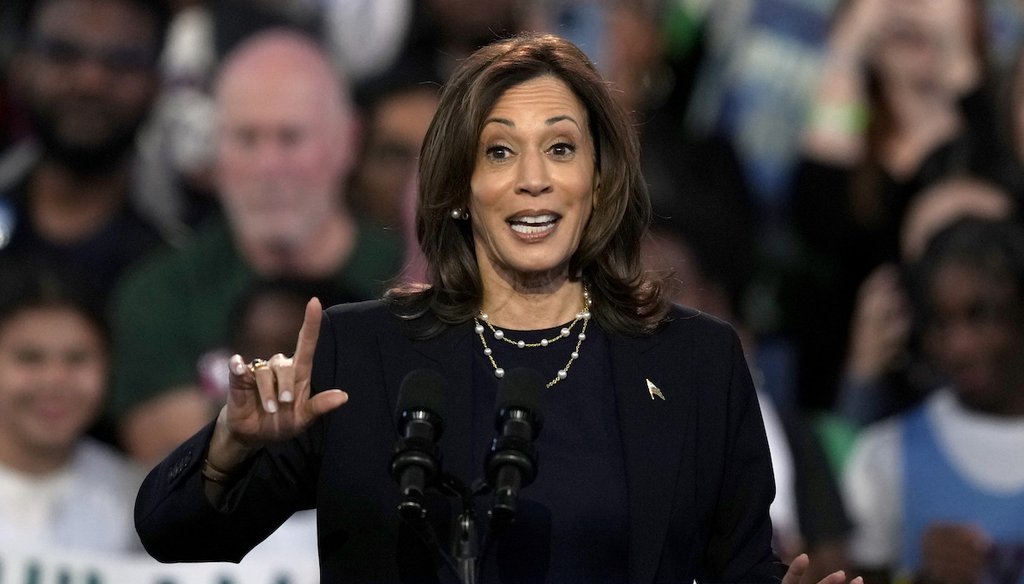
x: 258, y: 364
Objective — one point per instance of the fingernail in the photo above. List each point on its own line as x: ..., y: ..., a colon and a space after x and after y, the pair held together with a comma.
x: 286, y: 396
x: 238, y: 366
x: 271, y: 406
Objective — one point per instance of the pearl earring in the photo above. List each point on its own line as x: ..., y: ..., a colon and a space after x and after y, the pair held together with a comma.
x: 460, y: 213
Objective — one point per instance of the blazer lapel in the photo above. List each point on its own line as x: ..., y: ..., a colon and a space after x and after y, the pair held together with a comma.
x: 655, y: 414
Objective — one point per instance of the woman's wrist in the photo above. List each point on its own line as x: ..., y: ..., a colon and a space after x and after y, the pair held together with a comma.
x: 225, y: 452
x: 215, y: 474
x: 849, y: 42
x: 845, y: 118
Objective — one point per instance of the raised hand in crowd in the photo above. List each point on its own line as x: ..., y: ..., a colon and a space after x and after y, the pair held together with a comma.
x: 954, y: 553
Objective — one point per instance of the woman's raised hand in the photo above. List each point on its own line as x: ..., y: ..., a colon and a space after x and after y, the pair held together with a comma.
x: 859, y: 26
x: 269, y: 400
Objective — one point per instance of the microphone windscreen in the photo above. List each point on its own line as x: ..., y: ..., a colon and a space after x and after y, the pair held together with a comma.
x: 520, y: 388
x: 422, y: 389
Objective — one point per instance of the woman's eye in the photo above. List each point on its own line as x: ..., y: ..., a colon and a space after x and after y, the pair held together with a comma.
x: 563, y: 149
x: 498, y: 152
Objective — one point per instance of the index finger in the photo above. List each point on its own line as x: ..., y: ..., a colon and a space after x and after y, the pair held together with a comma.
x: 308, y: 335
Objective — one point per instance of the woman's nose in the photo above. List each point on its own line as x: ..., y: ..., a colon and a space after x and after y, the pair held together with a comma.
x: 534, y: 177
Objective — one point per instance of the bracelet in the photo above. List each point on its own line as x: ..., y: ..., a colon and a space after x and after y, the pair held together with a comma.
x: 214, y: 474
x: 851, y: 118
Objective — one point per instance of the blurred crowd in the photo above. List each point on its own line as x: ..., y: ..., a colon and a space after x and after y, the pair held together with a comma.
x: 841, y: 180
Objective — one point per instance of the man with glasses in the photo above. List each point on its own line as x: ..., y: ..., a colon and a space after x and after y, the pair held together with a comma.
x: 86, y: 74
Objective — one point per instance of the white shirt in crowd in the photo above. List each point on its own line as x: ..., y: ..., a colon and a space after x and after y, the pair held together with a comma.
x: 86, y: 506
x: 986, y: 450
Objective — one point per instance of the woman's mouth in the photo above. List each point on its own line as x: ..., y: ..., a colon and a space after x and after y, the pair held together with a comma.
x: 532, y: 225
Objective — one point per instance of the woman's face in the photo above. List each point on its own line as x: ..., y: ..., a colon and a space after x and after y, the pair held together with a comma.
x: 53, y: 367
x: 921, y: 39
x: 532, y: 189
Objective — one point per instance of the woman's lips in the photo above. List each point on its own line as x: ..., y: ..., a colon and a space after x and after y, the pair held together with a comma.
x: 532, y: 226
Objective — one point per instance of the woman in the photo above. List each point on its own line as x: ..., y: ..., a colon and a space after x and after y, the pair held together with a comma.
x: 904, y: 100
x: 530, y: 218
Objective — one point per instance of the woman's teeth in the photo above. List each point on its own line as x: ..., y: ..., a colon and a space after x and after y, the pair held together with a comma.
x: 533, y: 224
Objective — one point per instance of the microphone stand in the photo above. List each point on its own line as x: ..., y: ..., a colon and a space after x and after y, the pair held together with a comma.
x: 466, y: 547
x: 464, y: 558
x: 466, y: 542
x: 467, y: 551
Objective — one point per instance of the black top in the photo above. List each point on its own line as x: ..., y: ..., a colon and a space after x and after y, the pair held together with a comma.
x: 580, y: 489
x: 94, y: 262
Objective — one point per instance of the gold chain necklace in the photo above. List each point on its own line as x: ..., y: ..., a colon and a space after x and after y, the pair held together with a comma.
x: 581, y: 316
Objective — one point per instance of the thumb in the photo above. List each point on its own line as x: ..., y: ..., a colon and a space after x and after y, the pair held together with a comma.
x: 326, y: 401
x: 796, y: 569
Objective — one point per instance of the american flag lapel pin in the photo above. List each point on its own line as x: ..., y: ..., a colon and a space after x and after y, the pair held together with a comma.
x: 653, y: 390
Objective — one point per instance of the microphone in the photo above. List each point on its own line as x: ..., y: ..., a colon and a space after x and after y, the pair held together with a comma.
x: 512, y: 461
x: 416, y: 462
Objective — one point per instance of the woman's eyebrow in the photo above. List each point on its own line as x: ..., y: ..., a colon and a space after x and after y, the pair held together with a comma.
x: 547, y: 122
x: 556, y: 119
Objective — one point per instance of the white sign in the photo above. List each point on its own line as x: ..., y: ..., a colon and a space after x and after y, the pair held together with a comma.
x: 37, y: 567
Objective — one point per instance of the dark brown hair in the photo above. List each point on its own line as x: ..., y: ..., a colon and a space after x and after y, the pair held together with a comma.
x: 866, y: 188
x: 27, y: 285
x: 608, y: 257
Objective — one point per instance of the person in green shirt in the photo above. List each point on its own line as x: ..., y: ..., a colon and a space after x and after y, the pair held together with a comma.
x: 285, y: 144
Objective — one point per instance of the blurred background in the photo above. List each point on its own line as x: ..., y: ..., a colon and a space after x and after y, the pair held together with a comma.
x: 800, y: 154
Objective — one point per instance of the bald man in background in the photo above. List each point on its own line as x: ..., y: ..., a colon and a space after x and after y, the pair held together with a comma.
x: 285, y: 146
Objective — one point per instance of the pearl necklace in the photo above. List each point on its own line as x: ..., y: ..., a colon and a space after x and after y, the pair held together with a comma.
x: 583, y: 315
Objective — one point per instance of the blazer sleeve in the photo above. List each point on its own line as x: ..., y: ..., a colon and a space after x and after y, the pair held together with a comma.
x: 740, y: 542
x: 177, y: 523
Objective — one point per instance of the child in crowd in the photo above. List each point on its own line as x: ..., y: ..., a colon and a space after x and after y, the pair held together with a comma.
x: 937, y: 493
x: 59, y: 488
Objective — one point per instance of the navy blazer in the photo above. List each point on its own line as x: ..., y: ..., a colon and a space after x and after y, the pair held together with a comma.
x: 698, y: 468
